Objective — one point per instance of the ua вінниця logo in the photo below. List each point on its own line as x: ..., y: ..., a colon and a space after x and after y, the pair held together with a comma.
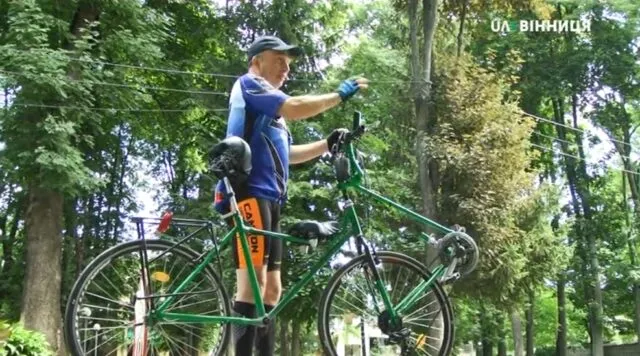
x: 540, y: 26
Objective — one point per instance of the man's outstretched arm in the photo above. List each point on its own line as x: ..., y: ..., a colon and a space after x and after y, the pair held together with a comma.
x: 306, y: 152
x: 305, y: 106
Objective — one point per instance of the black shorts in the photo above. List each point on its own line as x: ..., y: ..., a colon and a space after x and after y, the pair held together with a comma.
x: 265, y: 215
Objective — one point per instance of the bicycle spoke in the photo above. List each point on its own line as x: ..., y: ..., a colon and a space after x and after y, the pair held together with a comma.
x: 163, y: 331
x: 105, y: 292
x: 423, y: 307
x: 111, y: 300
x: 116, y: 283
x: 106, y: 308
x: 348, y: 306
x: 98, y: 346
x: 347, y: 302
x: 187, y: 296
x: 108, y: 281
x: 103, y: 328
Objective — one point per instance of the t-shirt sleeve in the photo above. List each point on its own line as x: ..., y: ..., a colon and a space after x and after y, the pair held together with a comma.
x: 235, y: 126
x: 261, y: 97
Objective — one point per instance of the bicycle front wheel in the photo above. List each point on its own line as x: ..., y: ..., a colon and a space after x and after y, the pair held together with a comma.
x: 352, y: 314
x: 107, y: 312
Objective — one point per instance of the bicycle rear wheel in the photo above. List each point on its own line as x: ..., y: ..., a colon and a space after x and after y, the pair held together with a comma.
x: 352, y: 311
x: 105, y: 314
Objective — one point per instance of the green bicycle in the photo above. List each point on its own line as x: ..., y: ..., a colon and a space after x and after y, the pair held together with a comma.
x: 159, y: 297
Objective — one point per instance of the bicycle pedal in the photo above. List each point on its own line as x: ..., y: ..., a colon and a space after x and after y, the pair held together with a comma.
x: 305, y: 249
x: 450, y: 278
x: 399, y: 336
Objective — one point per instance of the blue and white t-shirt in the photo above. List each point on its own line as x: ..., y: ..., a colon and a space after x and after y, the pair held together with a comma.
x: 253, y: 115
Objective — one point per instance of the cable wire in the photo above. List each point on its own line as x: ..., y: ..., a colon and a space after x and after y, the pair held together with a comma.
x: 208, y: 74
x: 88, y: 108
x: 570, y: 127
x: 24, y: 74
x: 573, y: 143
x: 580, y: 158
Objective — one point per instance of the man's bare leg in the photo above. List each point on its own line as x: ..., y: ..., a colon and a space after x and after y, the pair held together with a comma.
x: 266, y: 337
x: 244, y: 305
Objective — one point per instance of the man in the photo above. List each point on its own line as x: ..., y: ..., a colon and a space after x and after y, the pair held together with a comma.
x: 258, y: 110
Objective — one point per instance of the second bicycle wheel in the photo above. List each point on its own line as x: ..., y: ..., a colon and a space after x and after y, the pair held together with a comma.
x: 106, y: 316
x: 352, y: 315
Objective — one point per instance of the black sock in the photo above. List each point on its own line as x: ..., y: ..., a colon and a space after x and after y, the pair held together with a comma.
x: 266, y: 336
x: 243, y: 335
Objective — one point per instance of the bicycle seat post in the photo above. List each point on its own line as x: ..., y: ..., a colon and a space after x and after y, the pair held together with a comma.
x: 233, y: 203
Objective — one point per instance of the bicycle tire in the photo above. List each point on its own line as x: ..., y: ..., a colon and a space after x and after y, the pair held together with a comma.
x: 388, y: 256
x: 94, y: 267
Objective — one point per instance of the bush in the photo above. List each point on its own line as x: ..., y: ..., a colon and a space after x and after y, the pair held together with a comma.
x: 545, y: 351
x: 18, y: 341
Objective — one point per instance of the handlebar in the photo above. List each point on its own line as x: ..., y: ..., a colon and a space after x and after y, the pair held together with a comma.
x: 356, y: 132
x: 344, y: 158
x: 358, y: 128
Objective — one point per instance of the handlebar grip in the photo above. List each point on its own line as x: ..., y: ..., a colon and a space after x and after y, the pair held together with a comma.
x: 357, y: 120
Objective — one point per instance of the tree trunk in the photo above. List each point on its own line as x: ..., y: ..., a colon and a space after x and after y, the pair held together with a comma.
x: 561, y: 331
x: 593, y: 265
x: 423, y: 118
x: 529, y: 326
x: 70, y: 238
x: 41, y: 295
x: 121, y: 187
x: 516, y: 326
x: 502, y: 336
x: 586, y: 245
x: 296, y: 349
x: 82, y: 240
x: 284, y: 340
x: 486, y: 331
x: 636, y: 298
x: 112, y: 186
x: 425, y: 121
x: 43, y: 226
x: 463, y: 15
x: 9, y: 235
x: 625, y: 152
x: 96, y: 218
x: 487, y: 345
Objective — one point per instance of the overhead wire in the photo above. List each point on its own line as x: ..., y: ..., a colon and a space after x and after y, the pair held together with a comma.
x: 223, y: 75
x: 569, y: 127
x: 89, y: 108
x: 187, y: 91
x: 570, y: 143
x: 578, y: 158
x: 199, y: 73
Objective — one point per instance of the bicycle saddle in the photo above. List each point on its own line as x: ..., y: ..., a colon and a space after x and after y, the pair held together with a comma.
x: 311, y: 229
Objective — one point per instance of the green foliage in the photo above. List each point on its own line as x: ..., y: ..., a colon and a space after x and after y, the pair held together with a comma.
x: 546, y: 313
x: 18, y: 341
x: 483, y: 156
x: 487, y: 170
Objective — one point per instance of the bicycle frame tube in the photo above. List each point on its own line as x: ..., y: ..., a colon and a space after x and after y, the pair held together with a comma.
x: 353, y: 216
x: 243, y: 230
x: 199, y: 268
x: 355, y: 182
x: 415, y: 216
x: 413, y: 297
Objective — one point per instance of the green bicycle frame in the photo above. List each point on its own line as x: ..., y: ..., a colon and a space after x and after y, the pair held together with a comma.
x: 243, y: 230
x: 350, y: 218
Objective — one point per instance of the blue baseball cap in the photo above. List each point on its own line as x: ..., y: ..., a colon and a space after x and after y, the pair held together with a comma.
x: 264, y: 43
